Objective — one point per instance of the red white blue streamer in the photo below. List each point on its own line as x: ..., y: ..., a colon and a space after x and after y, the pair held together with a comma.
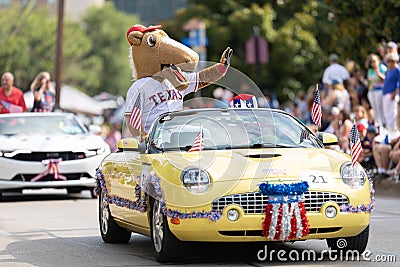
x: 141, y: 200
x: 285, y: 213
x: 362, y: 207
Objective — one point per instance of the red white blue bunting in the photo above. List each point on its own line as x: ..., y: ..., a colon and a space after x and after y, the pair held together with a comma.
x: 141, y: 203
x: 285, y: 215
x: 362, y: 207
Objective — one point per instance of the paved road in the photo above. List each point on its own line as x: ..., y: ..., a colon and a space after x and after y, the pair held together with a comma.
x: 53, y: 229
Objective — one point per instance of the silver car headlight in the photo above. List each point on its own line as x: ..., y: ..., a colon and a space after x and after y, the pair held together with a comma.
x: 94, y: 152
x: 195, y: 180
x: 354, y: 177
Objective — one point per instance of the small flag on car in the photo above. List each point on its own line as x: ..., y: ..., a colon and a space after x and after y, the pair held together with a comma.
x: 135, y: 119
x: 11, y: 107
x: 198, y: 142
x: 316, y: 112
x: 355, y: 145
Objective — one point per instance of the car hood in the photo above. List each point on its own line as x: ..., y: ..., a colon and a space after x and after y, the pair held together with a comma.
x: 225, y: 165
x: 47, y: 143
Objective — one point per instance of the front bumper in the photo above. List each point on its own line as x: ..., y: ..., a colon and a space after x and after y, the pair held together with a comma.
x: 81, y: 183
x: 248, y: 228
x: 13, y: 173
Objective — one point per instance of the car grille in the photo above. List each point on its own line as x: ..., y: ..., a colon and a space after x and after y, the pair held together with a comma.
x: 39, y: 156
x: 254, y: 203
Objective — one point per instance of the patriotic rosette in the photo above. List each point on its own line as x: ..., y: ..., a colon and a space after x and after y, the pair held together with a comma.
x: 285, y: 213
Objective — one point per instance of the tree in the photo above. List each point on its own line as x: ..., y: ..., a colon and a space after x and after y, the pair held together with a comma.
x: 362, y: 26
x: 290, y: 29
x: 106, y: 28
x: 29, y: 46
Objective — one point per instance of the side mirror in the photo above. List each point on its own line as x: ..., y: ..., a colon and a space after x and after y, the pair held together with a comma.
x: 328, y: 139
x: 131, y: 144
x: 128, y: 144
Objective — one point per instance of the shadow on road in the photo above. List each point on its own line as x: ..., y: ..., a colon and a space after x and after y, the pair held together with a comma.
x: 43, y: 194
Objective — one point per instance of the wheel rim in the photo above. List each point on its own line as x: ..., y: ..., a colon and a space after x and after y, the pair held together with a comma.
x: 158, y: 226
x: 105, y: 215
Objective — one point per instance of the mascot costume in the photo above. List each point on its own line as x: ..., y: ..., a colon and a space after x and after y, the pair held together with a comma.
x: 163, y: 72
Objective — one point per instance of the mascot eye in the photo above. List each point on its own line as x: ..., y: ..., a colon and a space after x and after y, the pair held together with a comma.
x: 151, y: 41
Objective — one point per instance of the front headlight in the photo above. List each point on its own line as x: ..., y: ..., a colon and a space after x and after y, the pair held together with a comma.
x: 195, y: 180
x: 353, y: 176
x: 94, y: 152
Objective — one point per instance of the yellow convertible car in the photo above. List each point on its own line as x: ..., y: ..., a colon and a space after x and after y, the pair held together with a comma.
x: 233, y: 175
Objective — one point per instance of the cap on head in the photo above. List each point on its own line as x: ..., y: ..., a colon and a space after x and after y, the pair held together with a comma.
x: 243, y: 101
x: 361, y: 126
x: 372, y: 129
x: 391, y: 44
x: 333, y: 57
x: 142, y: 29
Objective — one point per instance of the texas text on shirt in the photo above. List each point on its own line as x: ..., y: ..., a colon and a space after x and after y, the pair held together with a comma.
x: 158, y: 97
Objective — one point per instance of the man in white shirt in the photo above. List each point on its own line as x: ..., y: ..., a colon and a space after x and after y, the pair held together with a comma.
x: 334, y: 71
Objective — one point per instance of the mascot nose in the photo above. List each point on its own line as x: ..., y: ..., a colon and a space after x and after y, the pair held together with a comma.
x: 175, y: 53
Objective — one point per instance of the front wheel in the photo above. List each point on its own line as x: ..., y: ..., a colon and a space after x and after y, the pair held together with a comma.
x: 165, y: 245
x: 110, y: 231
x: 358, y: 242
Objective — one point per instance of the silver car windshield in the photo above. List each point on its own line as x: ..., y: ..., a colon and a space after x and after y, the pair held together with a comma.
x: 40, y: 125
x: 232, y: 128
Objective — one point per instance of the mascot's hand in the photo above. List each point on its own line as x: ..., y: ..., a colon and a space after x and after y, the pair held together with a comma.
x: 226, y: 56
x: 175, y: 75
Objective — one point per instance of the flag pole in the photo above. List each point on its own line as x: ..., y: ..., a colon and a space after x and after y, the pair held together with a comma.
x: 201, y: 147
x: 321, y: 106
x: 351, y: 154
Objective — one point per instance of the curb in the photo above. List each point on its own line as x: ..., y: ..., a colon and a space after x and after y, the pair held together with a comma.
x: 386, y: 187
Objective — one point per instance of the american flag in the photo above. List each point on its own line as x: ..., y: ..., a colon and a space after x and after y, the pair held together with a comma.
x: 135, y: 119
x: 198, y: 142
x: 355, y: 145
x: 11, y: 107
x: 304, y: 134
x: 316, y: 113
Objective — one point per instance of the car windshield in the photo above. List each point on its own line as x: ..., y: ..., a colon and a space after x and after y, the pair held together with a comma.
x: 65, y: 124
x: 231, y: 129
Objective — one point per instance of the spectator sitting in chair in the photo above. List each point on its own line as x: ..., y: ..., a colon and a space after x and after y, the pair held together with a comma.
x: 381, y: 152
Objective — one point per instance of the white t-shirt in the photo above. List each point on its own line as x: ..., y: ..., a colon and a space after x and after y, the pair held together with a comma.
x: 336, y: 72
x: 158, y: 98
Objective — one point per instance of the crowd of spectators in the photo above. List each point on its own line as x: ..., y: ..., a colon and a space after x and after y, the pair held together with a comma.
x: 366, y: 96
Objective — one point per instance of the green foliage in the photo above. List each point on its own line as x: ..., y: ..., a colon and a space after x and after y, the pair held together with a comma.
x: 362, y: 26
x: 106, y: 28
x: 290, y: 27
x: 95, y: 51
x: 27, y: 43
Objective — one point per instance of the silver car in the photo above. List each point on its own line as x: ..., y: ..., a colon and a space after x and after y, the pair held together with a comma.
x: 48, y: 150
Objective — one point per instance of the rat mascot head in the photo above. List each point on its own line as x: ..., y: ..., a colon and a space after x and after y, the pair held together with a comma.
x: 152, y: 50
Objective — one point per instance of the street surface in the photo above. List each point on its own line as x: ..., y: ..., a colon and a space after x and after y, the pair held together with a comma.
x: 51, y: 228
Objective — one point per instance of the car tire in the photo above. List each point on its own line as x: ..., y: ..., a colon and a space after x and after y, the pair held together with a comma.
x: 165, y: 245
x: 110, y: 231
x: 358, y: 242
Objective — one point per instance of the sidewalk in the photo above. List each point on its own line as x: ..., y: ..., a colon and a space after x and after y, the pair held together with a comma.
x: 387, y: 187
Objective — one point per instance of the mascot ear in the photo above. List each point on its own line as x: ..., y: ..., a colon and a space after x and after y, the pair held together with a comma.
x: 135, y: 37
